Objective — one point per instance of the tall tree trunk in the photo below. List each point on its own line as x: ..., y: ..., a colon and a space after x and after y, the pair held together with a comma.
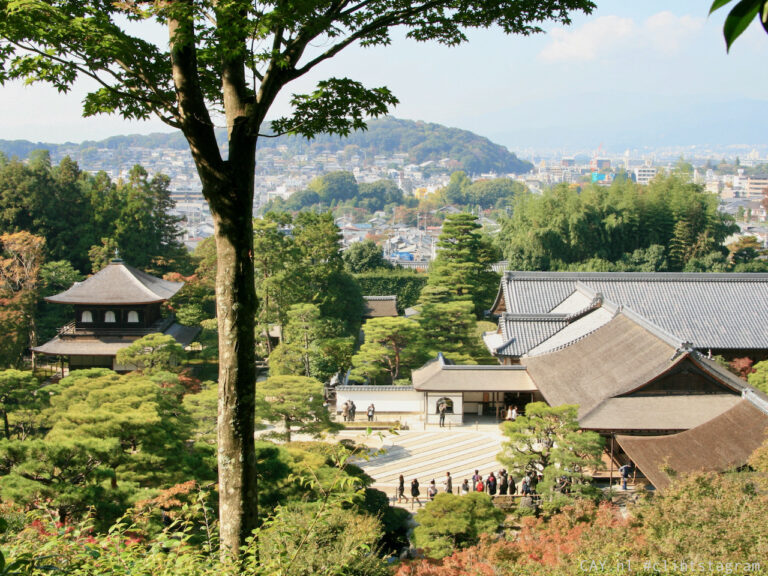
x: 236, y: 312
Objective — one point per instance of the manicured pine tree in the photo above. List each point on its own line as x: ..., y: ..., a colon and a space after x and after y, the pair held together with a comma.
x: 462, y: 268
x: 296, y: 402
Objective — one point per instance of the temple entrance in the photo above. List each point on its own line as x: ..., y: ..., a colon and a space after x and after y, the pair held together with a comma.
x: 518, y: 399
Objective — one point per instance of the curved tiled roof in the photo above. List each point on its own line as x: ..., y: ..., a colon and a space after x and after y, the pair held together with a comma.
x: 118, y: 283
x: 521, y: 333
x: 717, y: 311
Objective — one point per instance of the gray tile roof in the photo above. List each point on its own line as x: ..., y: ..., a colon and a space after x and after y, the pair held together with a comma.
x: 118, y: 283
x: 716, y: 311
x: 523, y: 332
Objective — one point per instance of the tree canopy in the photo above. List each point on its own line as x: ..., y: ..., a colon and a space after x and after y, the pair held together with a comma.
x: 365, y: 256
x: 393, y: 347
x: 296, y: 402
x: 84, y: 218
x: 547, y: 441
x: 669, y: 225
x: 452, y: 522
x: 235, y: 57
x: 461, y: 269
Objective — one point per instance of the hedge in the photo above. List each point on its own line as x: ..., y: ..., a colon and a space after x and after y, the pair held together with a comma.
x: 405, y: 284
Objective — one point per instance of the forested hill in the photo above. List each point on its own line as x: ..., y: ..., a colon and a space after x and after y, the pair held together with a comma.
x: 422, y: 142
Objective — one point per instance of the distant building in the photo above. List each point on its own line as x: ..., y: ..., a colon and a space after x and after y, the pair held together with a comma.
x: 644, y: 174
x: 756, y: 186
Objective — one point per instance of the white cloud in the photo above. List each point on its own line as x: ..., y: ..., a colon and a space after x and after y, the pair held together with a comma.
x: 588, y: 42
x: 663, y: 33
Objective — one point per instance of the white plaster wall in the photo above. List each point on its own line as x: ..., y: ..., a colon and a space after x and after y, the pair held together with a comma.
x: 386, y: 400
x: 433, y: 417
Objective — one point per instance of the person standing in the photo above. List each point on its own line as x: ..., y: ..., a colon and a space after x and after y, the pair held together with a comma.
x: 503, y: 482
x: 371, y: 412
x: 401, y: 489
x: 465, y: 487
x: 415, y: 493
x: 345, y: 411
x: 480, y: 486
x: 475, y: 477
x: 352, y: 410
x: 441, y: 408
x: 491, y: 484
x: 525, y: 487
x: 432, y: 490
x: 448, y: 483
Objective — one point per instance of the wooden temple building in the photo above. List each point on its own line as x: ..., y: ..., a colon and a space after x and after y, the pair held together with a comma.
x: 634, y: 351
x: 113, y: 308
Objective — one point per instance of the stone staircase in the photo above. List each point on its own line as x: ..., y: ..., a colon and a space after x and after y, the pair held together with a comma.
x: 429, y: 454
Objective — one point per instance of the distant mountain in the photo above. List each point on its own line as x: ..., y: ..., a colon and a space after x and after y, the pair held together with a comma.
x: 422, y: 141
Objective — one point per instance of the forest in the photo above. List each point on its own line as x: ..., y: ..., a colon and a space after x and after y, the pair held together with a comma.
x: 104, y: 472
x: 670, y: 225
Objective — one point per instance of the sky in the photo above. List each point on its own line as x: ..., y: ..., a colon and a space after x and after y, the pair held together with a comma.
x: 630, y: 75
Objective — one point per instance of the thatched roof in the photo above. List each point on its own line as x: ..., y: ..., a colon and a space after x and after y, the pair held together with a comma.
x: 118, y: 284
x: 380, y: 306
x: 723, y: 443
x: 438, y: 375
x: 616, y: 358
x: 608, y: 374
x: 658, y: 413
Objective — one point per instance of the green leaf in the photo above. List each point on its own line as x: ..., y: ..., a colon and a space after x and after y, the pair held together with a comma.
x: 717, y: 4
x: 739, y: 19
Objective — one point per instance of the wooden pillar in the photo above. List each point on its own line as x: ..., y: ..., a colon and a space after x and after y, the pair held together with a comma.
x: 610, y: 477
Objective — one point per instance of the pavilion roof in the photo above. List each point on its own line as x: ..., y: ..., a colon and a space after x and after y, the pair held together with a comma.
x: 722, y: 443
x: 120, y: 284
x: 108, y: 345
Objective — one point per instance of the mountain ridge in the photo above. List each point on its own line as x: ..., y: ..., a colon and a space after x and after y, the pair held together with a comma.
x: 422, y: 141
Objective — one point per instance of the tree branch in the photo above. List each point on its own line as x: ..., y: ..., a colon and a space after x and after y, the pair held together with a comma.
x: 194, y: 118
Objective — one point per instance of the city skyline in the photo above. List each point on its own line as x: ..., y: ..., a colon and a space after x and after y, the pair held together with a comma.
x: 626, y: 76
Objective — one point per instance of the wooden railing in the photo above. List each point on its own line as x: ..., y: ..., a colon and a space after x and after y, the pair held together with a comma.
x: 71, y: 329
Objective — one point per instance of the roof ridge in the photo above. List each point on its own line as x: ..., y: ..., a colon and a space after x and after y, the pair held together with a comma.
x: 638, y: 276
x: 654, y: 329
x: 136, y: 274
x: 536, y: 316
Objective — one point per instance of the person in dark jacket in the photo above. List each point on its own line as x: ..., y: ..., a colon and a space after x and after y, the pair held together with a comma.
x: 490, y: 484
x: 503, y: 482
x: 415, y: 493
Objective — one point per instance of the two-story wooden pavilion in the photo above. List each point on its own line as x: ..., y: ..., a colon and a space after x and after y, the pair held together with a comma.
x: 113, y: 308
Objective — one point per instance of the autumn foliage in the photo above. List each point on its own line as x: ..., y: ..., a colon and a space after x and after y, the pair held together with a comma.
x: 20, y: 261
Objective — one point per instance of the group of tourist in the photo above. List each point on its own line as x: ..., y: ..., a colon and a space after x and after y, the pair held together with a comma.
x: 501, y: 484
x: 348, y: 411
